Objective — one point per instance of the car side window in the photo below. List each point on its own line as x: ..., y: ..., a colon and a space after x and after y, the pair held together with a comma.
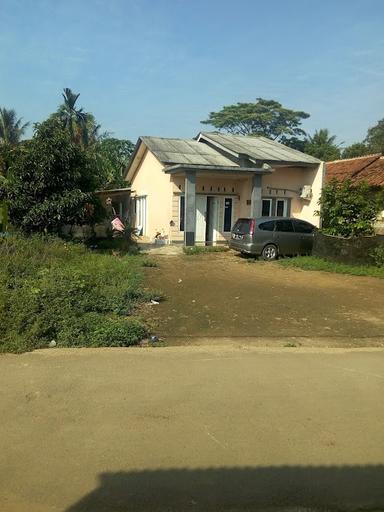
x: 303, y: 227
x: 267, y: 226
x: 285, y: 226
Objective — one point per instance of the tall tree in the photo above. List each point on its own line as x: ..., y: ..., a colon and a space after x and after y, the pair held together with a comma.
x: 51, y: 181
x: 322, y: 145
x: 11, y: 128
x: 375, y: 138
x: 263, y: 117
x: 81, y: 125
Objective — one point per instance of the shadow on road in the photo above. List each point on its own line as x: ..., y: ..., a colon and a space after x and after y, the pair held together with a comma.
x: 277, y: 489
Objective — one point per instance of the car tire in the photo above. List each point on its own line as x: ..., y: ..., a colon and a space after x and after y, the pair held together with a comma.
x: 269, y: 252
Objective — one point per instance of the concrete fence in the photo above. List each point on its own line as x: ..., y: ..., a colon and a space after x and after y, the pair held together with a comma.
x: 355, y: 251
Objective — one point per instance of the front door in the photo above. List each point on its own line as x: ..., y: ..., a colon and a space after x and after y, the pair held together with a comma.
x: 201, y: 215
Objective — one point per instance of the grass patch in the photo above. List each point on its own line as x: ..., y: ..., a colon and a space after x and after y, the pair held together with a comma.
x: 202, y: 249
x: 53, y: 290
x: 314, y: 263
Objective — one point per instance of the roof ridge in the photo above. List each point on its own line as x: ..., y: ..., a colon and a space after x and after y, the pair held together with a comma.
x: 167, y: 138
x: 378, y: 155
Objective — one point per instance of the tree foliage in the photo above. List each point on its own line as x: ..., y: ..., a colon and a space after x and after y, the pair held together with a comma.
x: 349, y: 210
x: 322, y: 145
x: 11, y: 128
x: 81, y: 125
x: 375, y: 138
x: 50, y: 181
x: 114, y: 154
x: 355, y: 150
x: 263, y: 117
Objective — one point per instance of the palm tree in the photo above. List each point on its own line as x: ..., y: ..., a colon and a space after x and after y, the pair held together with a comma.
x: 73, y: 119
x: 81, y: 125
x: 323, y: 145
x: 11, y: 128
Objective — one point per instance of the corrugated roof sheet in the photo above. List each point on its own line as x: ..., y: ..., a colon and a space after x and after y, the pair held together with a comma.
x: 260, y: 148
x: 364, y: 168
x: 185, y: 151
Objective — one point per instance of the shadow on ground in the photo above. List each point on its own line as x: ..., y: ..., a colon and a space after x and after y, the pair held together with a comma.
x: 283, y: 489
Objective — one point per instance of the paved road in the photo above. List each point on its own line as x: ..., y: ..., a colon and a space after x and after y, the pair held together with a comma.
x: 192, y: 429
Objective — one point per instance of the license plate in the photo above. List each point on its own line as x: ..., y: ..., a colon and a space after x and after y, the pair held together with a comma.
x: 237, y: 237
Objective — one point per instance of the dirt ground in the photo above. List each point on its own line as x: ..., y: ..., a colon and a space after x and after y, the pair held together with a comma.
x: 223, y: 297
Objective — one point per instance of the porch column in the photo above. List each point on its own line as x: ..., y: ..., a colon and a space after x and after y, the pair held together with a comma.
x: 256, y: 203
x: 190, y: 208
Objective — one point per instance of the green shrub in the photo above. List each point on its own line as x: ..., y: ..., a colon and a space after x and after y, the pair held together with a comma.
x: 122, y: 243
x: 52, y: 290
x: 201, y: 249
x: 378, y: 256
x: 149, y: 263
x: 349, y: 210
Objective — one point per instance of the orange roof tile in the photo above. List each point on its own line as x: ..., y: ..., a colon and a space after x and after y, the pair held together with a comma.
x: 368, y: 168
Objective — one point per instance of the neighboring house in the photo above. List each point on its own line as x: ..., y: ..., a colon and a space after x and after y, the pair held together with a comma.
x: 369, y: 169
x: 363, y: 168
x: 193, y: 190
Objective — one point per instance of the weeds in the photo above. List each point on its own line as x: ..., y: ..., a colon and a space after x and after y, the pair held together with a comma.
x: 200, y: 249
x: 53, y: 290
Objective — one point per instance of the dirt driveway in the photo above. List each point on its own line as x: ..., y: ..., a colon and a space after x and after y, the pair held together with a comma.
x: 223, y: 297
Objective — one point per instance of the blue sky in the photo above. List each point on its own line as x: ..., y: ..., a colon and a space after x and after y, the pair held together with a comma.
x: 158, y: 67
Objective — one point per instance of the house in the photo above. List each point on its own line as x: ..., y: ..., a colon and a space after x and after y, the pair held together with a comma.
x: 193, y: 190
x: 368, y: 169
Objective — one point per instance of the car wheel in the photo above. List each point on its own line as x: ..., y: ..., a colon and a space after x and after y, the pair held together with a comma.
x: 269, y: 252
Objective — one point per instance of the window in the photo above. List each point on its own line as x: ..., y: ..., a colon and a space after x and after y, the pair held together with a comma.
x: 303, y: 227
x: 267, y: 226
x: 227, y: 214
x: 285, y: 226
x: 181, y: 213
x: 281, y: 208
x: 266, y: 208
x: 242, y: 226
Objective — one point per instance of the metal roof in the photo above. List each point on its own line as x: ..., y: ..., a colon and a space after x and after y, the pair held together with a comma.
x: 185, y: 151
x: 258, y: 148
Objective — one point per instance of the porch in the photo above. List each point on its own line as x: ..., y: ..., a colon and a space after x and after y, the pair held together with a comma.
x: 207, y: 200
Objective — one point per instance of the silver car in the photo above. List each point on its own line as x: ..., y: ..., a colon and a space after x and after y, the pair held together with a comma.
x: 270, y: 237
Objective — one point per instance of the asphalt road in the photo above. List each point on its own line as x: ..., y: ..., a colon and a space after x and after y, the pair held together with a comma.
x: 192, y: 429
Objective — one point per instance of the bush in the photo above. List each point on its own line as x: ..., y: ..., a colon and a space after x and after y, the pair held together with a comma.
x: 200, y: 249
x: 52, y: 290
x: 50, y: 182
x: 378, y: 256
x: 349, y: 210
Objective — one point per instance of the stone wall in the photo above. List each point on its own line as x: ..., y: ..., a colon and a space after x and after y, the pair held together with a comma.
x: 355, y: 251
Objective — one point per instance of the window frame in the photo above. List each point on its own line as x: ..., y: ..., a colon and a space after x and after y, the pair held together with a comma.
x: 269, y: 199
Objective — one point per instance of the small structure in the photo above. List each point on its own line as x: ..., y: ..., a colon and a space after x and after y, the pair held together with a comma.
x: 118, y: 199
x: 193, y: 190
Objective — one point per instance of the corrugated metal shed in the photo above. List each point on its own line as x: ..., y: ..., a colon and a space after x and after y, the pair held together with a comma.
x: 185, y: 151
x: 260, y: 148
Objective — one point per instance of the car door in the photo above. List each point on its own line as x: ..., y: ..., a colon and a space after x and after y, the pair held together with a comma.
x: 287, y: 240
x: 306, y: 232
